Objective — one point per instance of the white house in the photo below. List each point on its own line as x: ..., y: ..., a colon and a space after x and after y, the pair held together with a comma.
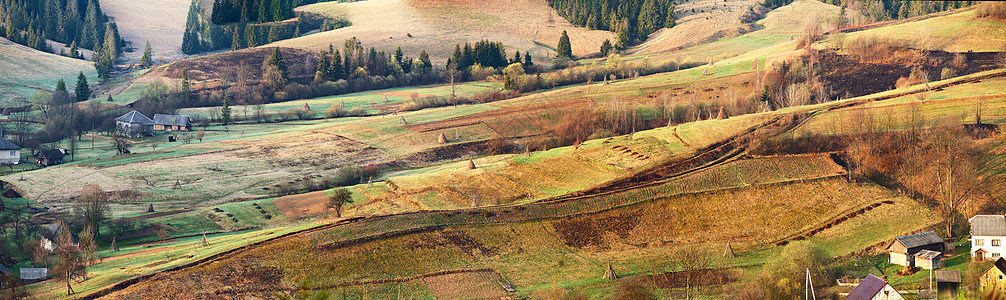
x: 874, y: 288
x: 987, y: 235
x: 10, y: 154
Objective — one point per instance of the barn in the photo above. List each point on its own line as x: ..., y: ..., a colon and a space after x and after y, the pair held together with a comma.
x: 172, y: 123
x: 134, y: 124
x: 904, y: 248
x: 50, y: 157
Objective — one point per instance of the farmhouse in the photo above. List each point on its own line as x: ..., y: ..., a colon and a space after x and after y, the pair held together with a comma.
x: 172, y: 123
x: 903, y: 249
x: 872, y: 287
x: 987, y: 235
x: 134, y: 124
x: 994, y: 279
x: 10, y: 154
x: 50, y: 157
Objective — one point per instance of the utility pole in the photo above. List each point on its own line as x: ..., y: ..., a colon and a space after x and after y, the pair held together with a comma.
x: 809, y: 287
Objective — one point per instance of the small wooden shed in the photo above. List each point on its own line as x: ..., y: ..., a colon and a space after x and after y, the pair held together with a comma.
x: 947, y: 282
x: 928, y: 259
x: 50, y: 157
x: 903, y: 249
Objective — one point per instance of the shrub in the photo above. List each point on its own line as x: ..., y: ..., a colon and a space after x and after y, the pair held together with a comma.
x: 357, y: 112
x: 783, y: 277
x: 947, y: 73
x: 335, y: 111
x: 991, y: 10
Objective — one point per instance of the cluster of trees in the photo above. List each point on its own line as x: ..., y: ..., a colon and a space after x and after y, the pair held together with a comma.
x: 79, y: 23
x: 884, y: 10
x: 204, y: 33
x: 631, y: 20
x: 254, y: 11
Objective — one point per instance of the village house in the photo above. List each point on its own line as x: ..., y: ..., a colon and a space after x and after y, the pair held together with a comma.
x: 50, y: 157
x: 134, y: 124
x: 10, y: 154
x: 987, y: 234
x: 947, y: 282
x: 172, y: 123
x: 904, y: 249
x: 874, y: 288
x: 994, y: 278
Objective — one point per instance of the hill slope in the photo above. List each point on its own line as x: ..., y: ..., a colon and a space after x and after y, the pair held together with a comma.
x: 25, y: 71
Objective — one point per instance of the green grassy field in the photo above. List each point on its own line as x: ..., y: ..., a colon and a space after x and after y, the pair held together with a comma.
x: 955, y: 32
x: 25, y: 71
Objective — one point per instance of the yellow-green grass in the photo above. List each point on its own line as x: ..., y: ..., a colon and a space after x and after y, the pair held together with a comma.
x: 957, y: 102
x: 956, y: 32
x: 368, y: 100
x: 525, y: 253
x: 25, y: 71
x: 157, y: 257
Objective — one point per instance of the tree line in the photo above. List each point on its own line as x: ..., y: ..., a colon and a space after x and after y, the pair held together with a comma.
x: 78, y: 23
x: 885, y: 10
x: 630, y: 20
x: 203, y: 34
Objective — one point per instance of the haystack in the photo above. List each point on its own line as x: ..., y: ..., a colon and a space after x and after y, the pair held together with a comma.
x: 402, y: 120
x: 442, y: 139
x: 610, y: 273
x: 114, y: 247
x: 722, y: 115
x: 306, y: 107
x: 729, y: 251
x: 150, y: 208
x: 471, y: 164
x: 204, y: 243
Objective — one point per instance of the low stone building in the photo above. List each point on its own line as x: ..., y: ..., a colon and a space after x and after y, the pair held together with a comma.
x: 134, y: 124
x: 172, y: 123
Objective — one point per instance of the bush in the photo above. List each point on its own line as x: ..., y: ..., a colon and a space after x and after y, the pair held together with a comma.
x: 991, y: 10
x: 357, y: 112
x: 947, y: 73
x: 784, y: 277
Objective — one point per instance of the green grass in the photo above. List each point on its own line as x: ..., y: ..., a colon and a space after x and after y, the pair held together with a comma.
x: 25, y: 71
x: 956, y: 32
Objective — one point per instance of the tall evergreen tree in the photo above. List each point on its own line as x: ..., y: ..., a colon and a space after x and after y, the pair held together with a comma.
x: 527, y: 60
x: 564, y: 48
x: 605, y: 48
x: 276, y: 59
x: 147, y: 59
x: 83, y: 90
x: 191, y: 44
x: 186, y: 91
x: 74, y: 52
x: 61, y: 85
x: 424, y: 59
x: 225, y: 111
x: 110, y: 46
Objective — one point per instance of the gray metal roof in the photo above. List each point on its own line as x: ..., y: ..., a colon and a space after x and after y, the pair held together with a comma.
x: 8, y: 145
x: 927, y: 254
x: 50, y: 154
x: 947, y: 276
x: 869, y: 287
x: 988, y: 225
x: 135, y: 117
x: 171, y: 120
x: 920, y: 239
x: 34, y: 273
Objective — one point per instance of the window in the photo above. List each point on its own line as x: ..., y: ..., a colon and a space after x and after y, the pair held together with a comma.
x: 12, y: 153
x: 994, y: 255
x: 979, y: 242
x: 995, y: 243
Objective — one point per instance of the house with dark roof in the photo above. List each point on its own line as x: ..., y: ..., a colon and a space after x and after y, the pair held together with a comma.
x: 904, y: 249
x: 10, y: 154
x: 134, y: 124
x: 50, y: 157
x: 872, y: 287
x: 987, y: 234
x: 993, y: 281
x: 172, y: 123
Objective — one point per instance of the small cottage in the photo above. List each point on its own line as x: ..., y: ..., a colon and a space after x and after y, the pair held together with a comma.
x: 947, y: 282
x: 34, y: 273
x: 10, y: 154
x: 928, y: 259
x: 874, y: 288
x: 904, y: 248
x: 172, y: 123
x: 994, y: 278
x: 50, y: 157
x: 134, y: 124
x: 987, y: 234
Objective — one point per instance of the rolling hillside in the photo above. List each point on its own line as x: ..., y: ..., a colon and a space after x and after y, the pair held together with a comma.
x: 25, y: 71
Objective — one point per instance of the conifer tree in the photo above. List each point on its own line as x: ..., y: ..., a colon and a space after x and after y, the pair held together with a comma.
x: 147, y: 60
x: 61, y: 85
x: 424, y: 58
x: 74, y: 53
x: 527, y: 60
x: 190, y: 39
x: 186, y: 91
x: 564, y: 49
x: 225, y: 111
x: 277, y: 60
x: 605, y: 48
x: 83, y: 90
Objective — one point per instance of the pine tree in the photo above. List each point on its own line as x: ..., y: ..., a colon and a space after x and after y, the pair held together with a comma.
x: 83, y: 90
x: 335, y: 67
x: 191, y: 43
x: 104, y: 66
x: 605, y: 48
x: 670, y: 20
x: 74, y: 53
x: 147, y: 61
x: 424, y: 58
x: 251, y: 39
x: 273, y: 34
x: 237, y: 40
x: 225, y: 111
x: 61, y: 86
x: 277, y: 10
x: 527, y: 60
x: 399, y: 55
x: 186, y: 91
x: 277, y: 60
x: 517, y: 58
x: 110, y: 47
x: 564, y: 49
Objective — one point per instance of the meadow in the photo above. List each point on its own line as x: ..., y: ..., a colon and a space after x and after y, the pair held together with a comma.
x: 25, y: 71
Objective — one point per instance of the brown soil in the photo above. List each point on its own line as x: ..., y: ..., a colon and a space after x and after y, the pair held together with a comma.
x: 450, y: 237
x: 471, y: 285
x: 473, y: 119
x: 850, y: 76
x: 586, y: 231
x: 211, y: 68
x: 303, y: 205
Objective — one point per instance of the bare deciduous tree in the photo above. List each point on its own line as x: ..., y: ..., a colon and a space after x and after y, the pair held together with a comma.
x: 70, y: 264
